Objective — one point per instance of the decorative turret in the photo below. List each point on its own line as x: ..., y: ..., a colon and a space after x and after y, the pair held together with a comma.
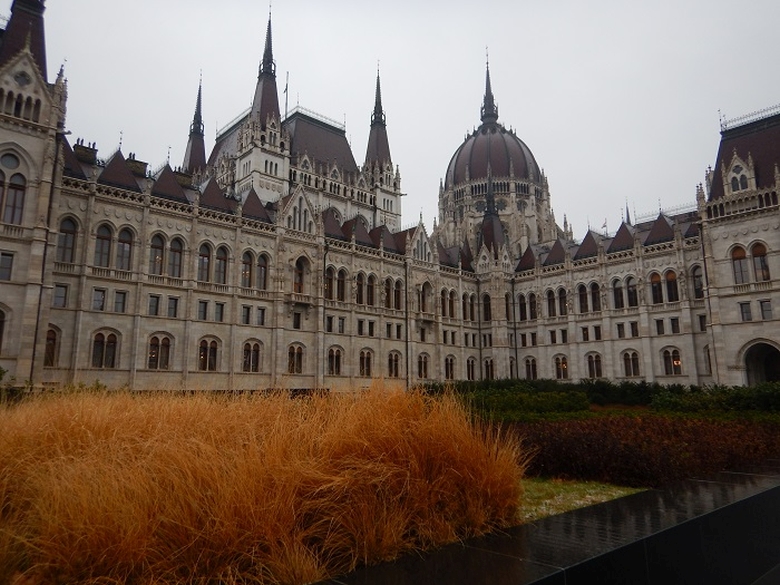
x: 195, y: 155
x: 266, y: 101
x: 25, y: 29
x: 378, y: 151
x: 491, y: 233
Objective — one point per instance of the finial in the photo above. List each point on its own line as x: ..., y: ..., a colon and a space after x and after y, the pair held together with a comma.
x: 169, y: 155
x: 121, y: 137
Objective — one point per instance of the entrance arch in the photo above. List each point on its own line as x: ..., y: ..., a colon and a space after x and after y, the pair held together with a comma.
x: 762, y: 364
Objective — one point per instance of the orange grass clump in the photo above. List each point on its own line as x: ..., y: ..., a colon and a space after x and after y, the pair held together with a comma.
x: 122, y: 488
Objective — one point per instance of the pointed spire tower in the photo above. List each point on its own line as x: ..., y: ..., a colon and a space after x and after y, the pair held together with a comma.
x: 378, y: 151
x: 25, y: 29
x: 195, y: 155
x: 489, y: 110
x: 266, y: 101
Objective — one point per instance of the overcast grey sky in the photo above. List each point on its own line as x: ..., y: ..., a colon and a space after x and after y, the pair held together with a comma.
x: 618, y: 100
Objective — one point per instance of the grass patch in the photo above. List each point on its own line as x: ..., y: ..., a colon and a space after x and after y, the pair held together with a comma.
x: 547, y: 497
x: 122, y: 488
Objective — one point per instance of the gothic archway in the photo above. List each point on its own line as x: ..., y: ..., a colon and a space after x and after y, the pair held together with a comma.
x: 762, y: 364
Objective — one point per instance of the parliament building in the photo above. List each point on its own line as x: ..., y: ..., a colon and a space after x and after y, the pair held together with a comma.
x: 279, y: 261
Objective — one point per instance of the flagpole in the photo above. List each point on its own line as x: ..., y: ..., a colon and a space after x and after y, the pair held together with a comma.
x: 286, y: 84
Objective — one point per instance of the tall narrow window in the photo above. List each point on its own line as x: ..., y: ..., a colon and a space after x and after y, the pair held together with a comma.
x: 103, y: 246
x: 2, y: 330
x: 14, y: 200
x: 251, y: 358
x: 631, y: 364
x: 262, y: 272
x: 124, y: 250
x: 365, y: 363
x: 633, y: 298
x: 66, y: 241
x: 522, y: 308
x: 174, y: 258
x: 359, y: 281
x: 294, y: 360
x: 582, y: 293
x: 388, y: 293
x: 300, y: 269
x: 50, y: 356
x: 562, y: 303
x: 487, y: 312
x: 594, y: 366
x: 550, y: 303
x: 595, y: 297
x: 672, y: 294
x: 760, y: 264
x: 341, y: 285
x: 451, y: 306
x: 397, y: 295
x: 532, y: 307
x: 617, y: 294
x: 334, y: 362
x: 392, y: 365
x: 443, y: 302
x: 422, y: 366
x: 104, y: 351
x: 656, y: 289
x: 246, y: 269
x: 220, y: 266
x: 328, y: 284
x: 370, y: 290
x: 156, y: 253
x: 530, y: 369
x: 740, y: 265
x: 561, y: 368
x: 698, y: 282
x: 204, y: 263
x: 207, y: 356
x: 471, y: 369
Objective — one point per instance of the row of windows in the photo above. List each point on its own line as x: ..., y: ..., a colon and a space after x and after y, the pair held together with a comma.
x: 741, y: 264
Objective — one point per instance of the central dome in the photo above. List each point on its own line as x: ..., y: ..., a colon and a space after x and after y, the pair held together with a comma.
x: 491, y: 150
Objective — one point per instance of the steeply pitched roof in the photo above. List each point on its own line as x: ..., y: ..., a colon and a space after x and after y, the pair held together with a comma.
x: 117, y: 174
x: 25, y: 25
x: 527, y: 261
x: 378, y: 151
x: 760, y: 140
x: 623, y: 240
x: 557, y: 254
x: 355, y: 226
x: 332, y: 225
x: 382, y: 233
x: 661, y: 231
x: 214, y: 198
x: 195, y: 155
x: 400, y: 239
x: 266, y: 100
x: 323, y: 143
x: 168, y: 187
x: 253, y: 208
x: 589, y: 246
x: 72, y: 166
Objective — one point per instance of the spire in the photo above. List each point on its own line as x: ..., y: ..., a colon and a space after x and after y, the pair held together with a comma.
x: 25, y: 31
x: 491, y: 233
x: 266, y: 100
x: 378, y: 151
x: 628, y: 215
x: 489, y: 109
x: 195, y: 155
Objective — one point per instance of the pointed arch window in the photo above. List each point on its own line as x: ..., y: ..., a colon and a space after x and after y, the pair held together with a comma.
x: 156, y: 255
x: 328, y: 284
x: 175, y: 258
x: 490, y: 372
x: 341, y: 285
x: 595, y: 297
x: 207, y: 355
x: 631, y: 364
x: 550, y: 303
x: 672, y: 362
x: 443, y: 302
x: 594, y: 366
x: 523, y: 308
x: 582, y: 293
x: 697, y: 277
x: 52, y: 349
x: 422, y: 366
x: 204, y: 263
x: 359, y: 284
x: 530, y: 368
x: 334, y: 362
x: 14, y: 200
x: 656, y: 289
x: 672, y: 292
x: 561, y: 368
x: 247, y: 263
x: 104, y: 350
x: 124, y: 250
x: 370, y: 290
x: 760, y: 264
x: 66, y: 241
x: 472, y: 307
x: 388, y: 293
x: 262, y: 272
x: 532, y: 311
x: 159, y: 353
x: 449, y: 368
x: 487, y: 312
x: 451, y: 306
x: 103, y: 246
x: 393, y: 361
x: 562, y: 302
x: 617, y: 294
x: 295, y: 359
x: 365, y: 363
x: 221, y: 265
x: 398, y: 294
x: 471, y: 366
x: 740, y: 264
x: 251, y: 358
x: 633, y: 298
x: 298, y: 275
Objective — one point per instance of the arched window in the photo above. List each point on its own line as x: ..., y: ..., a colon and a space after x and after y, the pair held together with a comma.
x: 220, y: 266
x: 760, y: 264
x: 633, y: 298
x: 471, y: 365
x: 472, y: 307
x: 262, y: 272
x: 365, y: 363
x: 341, y: 285
x: 50, y: 357
x: 359, y: 283
x: 656, y: 289
x: 388, y: 293
x: 295, y: 359
x: 530, y: 369
x: 743, y: 183
x: 207, y: 355
x: 672, y: 293
x: 334, y: 362
x: 124, y: 250
x: 251, y: 361
x: 247, y: 263
x: 734, y: 184
x: 159, y: 353
x: 617, y: 294
x: 103, y: 246
x: 532, y: 307
x: 14, y: 200
x: 298, y: 275
x: 449, y: 368
x: 550, y: 303
x: 740, y: 264
x: 370, y: 290
x: 595, y: 297
x: 452, y: 304
x: 594, y: 366
x: 489, y: 371
x: 393, y: 359
x: 397, y: 294
x: 697, y: 278
x: 562, y: 303
x: 672, y: 362
x: 204, y: 263
x: 561, y: 368
x: 465, y: 306
x: 328, y: 284
x: 443, y: 302
x: 175, y: 257
x: 487, y: 312
x: 156, y: 255
x: 66, y: 241
x: 422, y: 366
x: 104, y: 350
x: 631, y: 364
x: 582, y: 294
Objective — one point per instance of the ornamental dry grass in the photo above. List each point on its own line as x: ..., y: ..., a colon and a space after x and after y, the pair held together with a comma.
x: 119, y: 488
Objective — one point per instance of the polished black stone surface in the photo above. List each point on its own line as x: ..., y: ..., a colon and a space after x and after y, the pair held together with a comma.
x: 723, y: 529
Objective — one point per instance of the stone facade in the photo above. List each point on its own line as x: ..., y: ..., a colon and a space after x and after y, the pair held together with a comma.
x: 278, y: 261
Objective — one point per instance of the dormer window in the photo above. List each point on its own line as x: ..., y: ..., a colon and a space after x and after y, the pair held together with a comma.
x: 738, y: 179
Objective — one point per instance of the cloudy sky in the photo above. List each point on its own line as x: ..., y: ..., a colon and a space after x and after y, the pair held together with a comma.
x: 618, y: 100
